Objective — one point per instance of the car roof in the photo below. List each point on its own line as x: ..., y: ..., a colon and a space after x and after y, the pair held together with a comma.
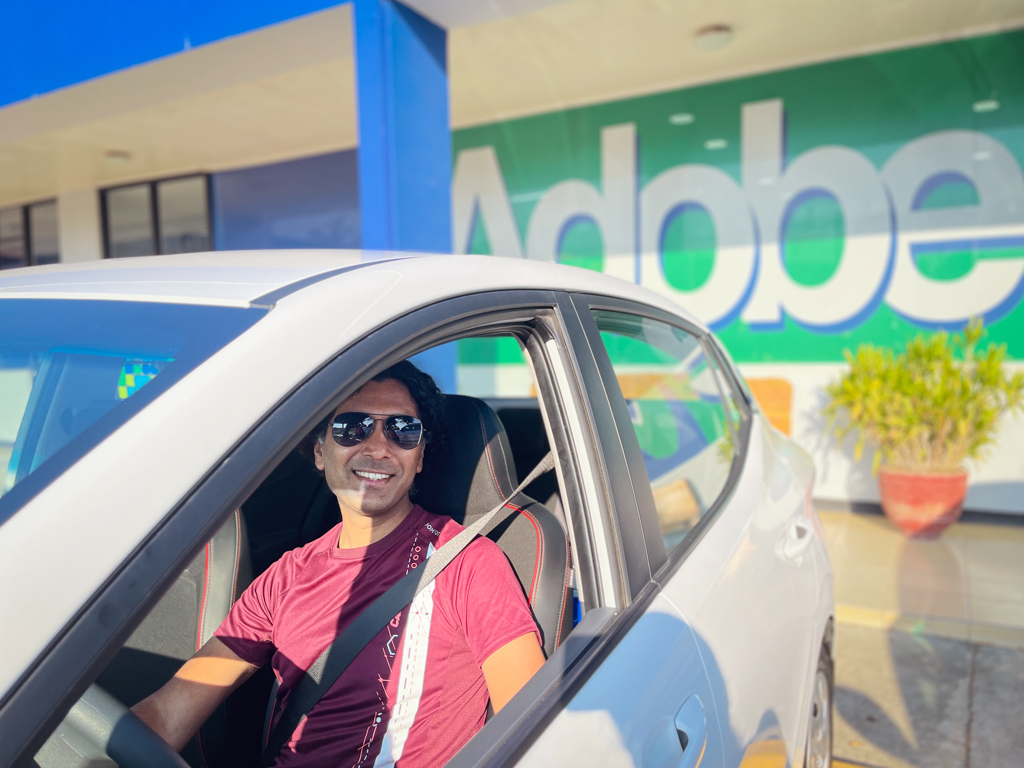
x: 247, y: 278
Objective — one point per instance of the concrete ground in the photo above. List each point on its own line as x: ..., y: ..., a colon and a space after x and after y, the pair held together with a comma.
x: 912, y: 700
x: 930, y: 645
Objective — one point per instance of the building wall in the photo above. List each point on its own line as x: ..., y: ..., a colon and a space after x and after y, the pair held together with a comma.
x: 312, y: 202
x: 801, y: 213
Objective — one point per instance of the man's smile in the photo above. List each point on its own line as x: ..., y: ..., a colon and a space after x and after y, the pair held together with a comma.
x: 372, y: 478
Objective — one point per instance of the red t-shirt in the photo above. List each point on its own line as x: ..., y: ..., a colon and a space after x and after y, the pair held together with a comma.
x: 416, y: 693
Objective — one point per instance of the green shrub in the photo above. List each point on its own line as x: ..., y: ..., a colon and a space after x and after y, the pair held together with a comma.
x: 928, y: 409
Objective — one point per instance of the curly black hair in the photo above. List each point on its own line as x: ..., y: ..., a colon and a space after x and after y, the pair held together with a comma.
x: 430, y: 403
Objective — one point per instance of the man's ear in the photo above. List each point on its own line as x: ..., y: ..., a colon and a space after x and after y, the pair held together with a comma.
x: 318, y: 454
x: 419, y: 464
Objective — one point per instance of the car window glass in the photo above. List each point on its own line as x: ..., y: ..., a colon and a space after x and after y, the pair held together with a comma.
x: 732, y: 407
x: 65, y: 364
x: 682, y: 424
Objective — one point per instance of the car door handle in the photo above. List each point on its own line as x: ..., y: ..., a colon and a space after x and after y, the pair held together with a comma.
x: 797, y: 539
x: 692, y: 729
x: 678, y: 743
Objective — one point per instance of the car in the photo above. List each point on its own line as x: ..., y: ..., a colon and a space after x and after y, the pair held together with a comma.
x: 152, y: 417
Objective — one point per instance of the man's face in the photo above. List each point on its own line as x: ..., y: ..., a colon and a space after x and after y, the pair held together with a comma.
x: 347, y: 468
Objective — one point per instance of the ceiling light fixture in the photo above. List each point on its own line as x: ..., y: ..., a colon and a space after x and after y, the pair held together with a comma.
x: 681, y: 118
x: 713, y: 37
x: 118, y: 156
x: 985, y: 105
x: 714, y: 144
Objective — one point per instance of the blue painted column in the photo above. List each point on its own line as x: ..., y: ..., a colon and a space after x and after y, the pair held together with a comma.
x: 405, y: 145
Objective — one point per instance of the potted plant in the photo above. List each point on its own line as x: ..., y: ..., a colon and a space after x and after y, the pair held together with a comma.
x: 925, y: 411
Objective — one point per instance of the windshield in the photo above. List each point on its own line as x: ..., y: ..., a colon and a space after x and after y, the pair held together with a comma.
x: 72, y: 371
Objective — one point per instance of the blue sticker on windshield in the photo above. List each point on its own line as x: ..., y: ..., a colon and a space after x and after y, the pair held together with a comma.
x: 135, y: 374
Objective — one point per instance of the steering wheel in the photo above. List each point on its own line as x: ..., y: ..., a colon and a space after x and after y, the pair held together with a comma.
x: 102, y: 725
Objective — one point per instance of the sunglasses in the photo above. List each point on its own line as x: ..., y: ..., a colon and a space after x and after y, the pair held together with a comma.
x: 352, y: 427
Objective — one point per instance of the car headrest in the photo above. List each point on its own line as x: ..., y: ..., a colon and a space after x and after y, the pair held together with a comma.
x: 474, y: 471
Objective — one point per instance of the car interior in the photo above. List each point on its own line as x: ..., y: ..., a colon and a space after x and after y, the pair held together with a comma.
x: 496, y: 435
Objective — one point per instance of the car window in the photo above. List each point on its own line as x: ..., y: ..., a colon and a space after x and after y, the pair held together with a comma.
x: 480, y: 366
x: 684, y: 422
x: 66, y: 364
x: 731, y: 404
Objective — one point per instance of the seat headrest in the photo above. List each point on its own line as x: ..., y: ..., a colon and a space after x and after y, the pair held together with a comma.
x: 474, y: 471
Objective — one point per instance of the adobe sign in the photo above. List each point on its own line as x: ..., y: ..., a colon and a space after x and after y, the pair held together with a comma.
x: 887, y: 227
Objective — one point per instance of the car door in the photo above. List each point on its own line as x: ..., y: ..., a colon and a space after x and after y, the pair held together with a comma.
x: 748, y: 589
x: 644, y: 698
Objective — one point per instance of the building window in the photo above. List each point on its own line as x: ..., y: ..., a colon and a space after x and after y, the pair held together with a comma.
x: 43, y: 239
x: 169, y: 216
x: 28, y: 235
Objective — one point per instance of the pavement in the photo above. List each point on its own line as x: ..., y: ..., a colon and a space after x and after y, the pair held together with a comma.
x: 929, y: 644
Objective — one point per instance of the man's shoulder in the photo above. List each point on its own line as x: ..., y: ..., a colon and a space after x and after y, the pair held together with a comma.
x: 444, y: 529
x: 302, y: 555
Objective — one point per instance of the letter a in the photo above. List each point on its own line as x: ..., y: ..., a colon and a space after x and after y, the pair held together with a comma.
x: 478, y: 189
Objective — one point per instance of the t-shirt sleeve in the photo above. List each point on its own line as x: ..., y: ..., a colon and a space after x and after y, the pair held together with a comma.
x: 491, y: 607
x: 249, y: 626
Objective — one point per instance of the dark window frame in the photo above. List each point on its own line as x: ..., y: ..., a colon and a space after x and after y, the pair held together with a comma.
x: 26, y: 227
x: 154, y: 209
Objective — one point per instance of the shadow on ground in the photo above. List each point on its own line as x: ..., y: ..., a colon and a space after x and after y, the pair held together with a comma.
x: 910, y: 700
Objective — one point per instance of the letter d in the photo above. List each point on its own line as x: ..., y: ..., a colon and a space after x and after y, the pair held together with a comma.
x: 613, y: 209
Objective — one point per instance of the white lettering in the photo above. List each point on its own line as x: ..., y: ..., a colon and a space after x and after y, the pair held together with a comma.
x: 886, y: 226
x: 991, y: 287
x: 855, y: 287
x: 613, y: 209
x: 478, y: 190
x: 715, y: 192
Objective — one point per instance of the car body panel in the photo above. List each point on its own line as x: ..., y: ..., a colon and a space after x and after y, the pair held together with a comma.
x: 232, y: 278
x: 237, y: 276
x: 757, y: 643
x: 624, y: 714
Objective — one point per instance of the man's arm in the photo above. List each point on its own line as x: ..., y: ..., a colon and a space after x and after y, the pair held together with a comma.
x: 508, y: 668
x: 185, y: 702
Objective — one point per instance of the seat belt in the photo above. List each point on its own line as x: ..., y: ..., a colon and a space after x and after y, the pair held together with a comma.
x: 335, y: 659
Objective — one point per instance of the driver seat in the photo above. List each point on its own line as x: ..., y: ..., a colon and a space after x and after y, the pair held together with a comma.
x: 471, y: 476
x: 177, y: 626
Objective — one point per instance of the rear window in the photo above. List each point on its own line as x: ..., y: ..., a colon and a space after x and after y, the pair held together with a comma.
x: 73, y: 371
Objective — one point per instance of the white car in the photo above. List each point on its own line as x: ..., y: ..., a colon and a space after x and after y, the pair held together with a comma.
x: 151, y: 415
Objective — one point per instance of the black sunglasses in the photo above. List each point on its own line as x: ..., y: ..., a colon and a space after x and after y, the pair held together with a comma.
x: 352, y: 427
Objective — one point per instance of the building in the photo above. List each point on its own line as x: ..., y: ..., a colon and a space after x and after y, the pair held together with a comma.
x: 804, y: 176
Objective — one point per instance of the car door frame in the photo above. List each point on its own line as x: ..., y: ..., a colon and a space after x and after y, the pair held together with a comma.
x: 33, y: 707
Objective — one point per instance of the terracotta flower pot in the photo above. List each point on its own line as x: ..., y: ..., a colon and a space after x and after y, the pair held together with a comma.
x: 922, y: 504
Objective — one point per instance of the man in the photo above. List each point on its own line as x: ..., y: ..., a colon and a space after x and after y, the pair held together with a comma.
x: 419, y: 690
